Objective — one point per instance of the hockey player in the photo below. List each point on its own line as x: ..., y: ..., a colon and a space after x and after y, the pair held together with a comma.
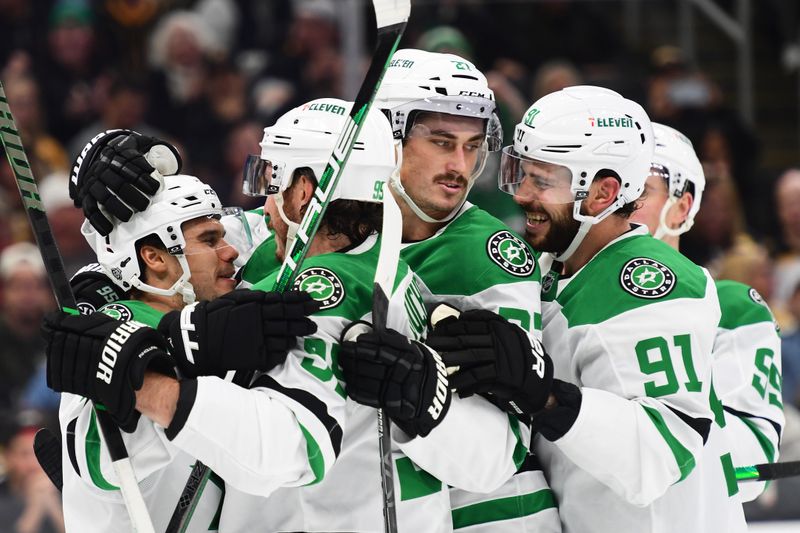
x: 628, y: 321
x: 442, y: 112
x: 167, y: 257
x: 433, y: 437
x: 747, y: 350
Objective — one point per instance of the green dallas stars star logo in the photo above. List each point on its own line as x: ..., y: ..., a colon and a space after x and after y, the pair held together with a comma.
x: 323, y: 285
x: 510, y: 253
x: 647, y: 278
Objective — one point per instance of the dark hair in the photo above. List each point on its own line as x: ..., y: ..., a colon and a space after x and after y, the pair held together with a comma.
x: 354, y: 219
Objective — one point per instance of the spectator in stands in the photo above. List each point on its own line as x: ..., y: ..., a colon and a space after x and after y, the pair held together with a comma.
x: 787, y: 202
x: 181, y: 48
x: 26, y: 296
x: 790, y: 348
x: 45, y: 153
x: 29, y: 502
x: 68, y: 73
x: 123, y: 107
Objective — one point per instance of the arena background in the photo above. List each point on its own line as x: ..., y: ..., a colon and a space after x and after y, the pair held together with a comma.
x: 210, y: 74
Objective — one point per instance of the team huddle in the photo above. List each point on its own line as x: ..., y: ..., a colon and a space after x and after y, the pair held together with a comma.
x: 581, y: 377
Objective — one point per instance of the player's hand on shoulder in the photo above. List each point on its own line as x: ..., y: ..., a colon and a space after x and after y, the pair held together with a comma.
x: 242, y: 330
x: 384, y: 369
x: 93, y: 289
x: 103, y: 359
x: 488, y: 355
x: 116, y: 174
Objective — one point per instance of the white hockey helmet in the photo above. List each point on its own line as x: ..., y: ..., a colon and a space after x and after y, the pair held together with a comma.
x: 306, y: 137
x: 675, y: 159
x: 182, y: 198
x: 419, y: 81
x: 585, y: 130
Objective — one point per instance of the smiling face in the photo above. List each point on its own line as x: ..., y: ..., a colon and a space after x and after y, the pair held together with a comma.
x: 544, y: 194
x: 440, y: 156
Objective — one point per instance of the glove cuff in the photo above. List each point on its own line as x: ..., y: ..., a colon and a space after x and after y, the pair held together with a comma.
x: 554, y: 423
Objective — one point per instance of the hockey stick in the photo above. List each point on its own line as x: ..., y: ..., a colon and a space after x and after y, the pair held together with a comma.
x: 385, y: 272
x: 391, y: 17
x: 767, y: 471
x: 12, y: 144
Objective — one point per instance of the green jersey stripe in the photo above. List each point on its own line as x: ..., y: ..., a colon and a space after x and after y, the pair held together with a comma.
x: 730, y: 474
x: 504, y: 508
x: 93, y: 456
x: 315, y: 458
x: 520, y: 450
x: 683, y: 457
x: 763, y: 440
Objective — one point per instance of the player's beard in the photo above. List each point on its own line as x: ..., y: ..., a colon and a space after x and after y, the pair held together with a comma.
x: 561, y: 231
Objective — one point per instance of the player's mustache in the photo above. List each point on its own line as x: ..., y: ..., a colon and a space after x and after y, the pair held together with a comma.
x: 448, y: 178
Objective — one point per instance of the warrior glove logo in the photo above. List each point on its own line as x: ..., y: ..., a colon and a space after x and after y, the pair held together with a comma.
x: 510, y: 254
x: 647, y: 278
x: 323, y: 285
x: 114, y: 344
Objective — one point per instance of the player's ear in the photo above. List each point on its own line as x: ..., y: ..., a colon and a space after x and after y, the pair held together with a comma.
x: 602, y: 193
x: 154, y: 259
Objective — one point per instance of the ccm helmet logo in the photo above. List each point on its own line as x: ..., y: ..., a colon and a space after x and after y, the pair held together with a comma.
x: 474, y: 93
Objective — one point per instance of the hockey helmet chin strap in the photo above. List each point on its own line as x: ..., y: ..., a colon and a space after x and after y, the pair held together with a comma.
x: 664, y: 229
x: 586, y: 224
x: 397, y: 186
x: 182, y: 286
x: 293, y: 227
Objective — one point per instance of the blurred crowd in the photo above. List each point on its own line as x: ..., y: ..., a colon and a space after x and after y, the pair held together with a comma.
x: 208, y: 75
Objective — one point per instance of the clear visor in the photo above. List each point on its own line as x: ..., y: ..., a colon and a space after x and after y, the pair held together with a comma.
x: 534, y: 180
x: 458, y: 137
x: 262, y: 177
x: 461, y: 106
x: 218, y: 238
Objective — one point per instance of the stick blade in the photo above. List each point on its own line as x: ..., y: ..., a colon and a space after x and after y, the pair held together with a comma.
x: 47, y: 448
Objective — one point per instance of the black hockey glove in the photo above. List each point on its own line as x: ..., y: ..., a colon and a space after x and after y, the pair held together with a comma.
x: 553, y: 423
x: 405, y: 378
x: 242, y: 330
x: 116, y: 174
x: 103, y: 359
x: 93, y: 289
x: 494, y: 358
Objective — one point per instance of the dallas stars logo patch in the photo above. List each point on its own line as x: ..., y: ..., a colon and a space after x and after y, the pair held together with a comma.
x: 755, y: 296
x: 510, y: 254
x: 323, y: 285
x: 117, y: 311
x: 647, y: 278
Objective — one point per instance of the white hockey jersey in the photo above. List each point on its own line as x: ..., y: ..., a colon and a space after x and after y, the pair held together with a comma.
x: 473, y: 433
x: 634, y: 328
x: 286, y: 431
x: 747, y: 379
x: 502, y: 276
